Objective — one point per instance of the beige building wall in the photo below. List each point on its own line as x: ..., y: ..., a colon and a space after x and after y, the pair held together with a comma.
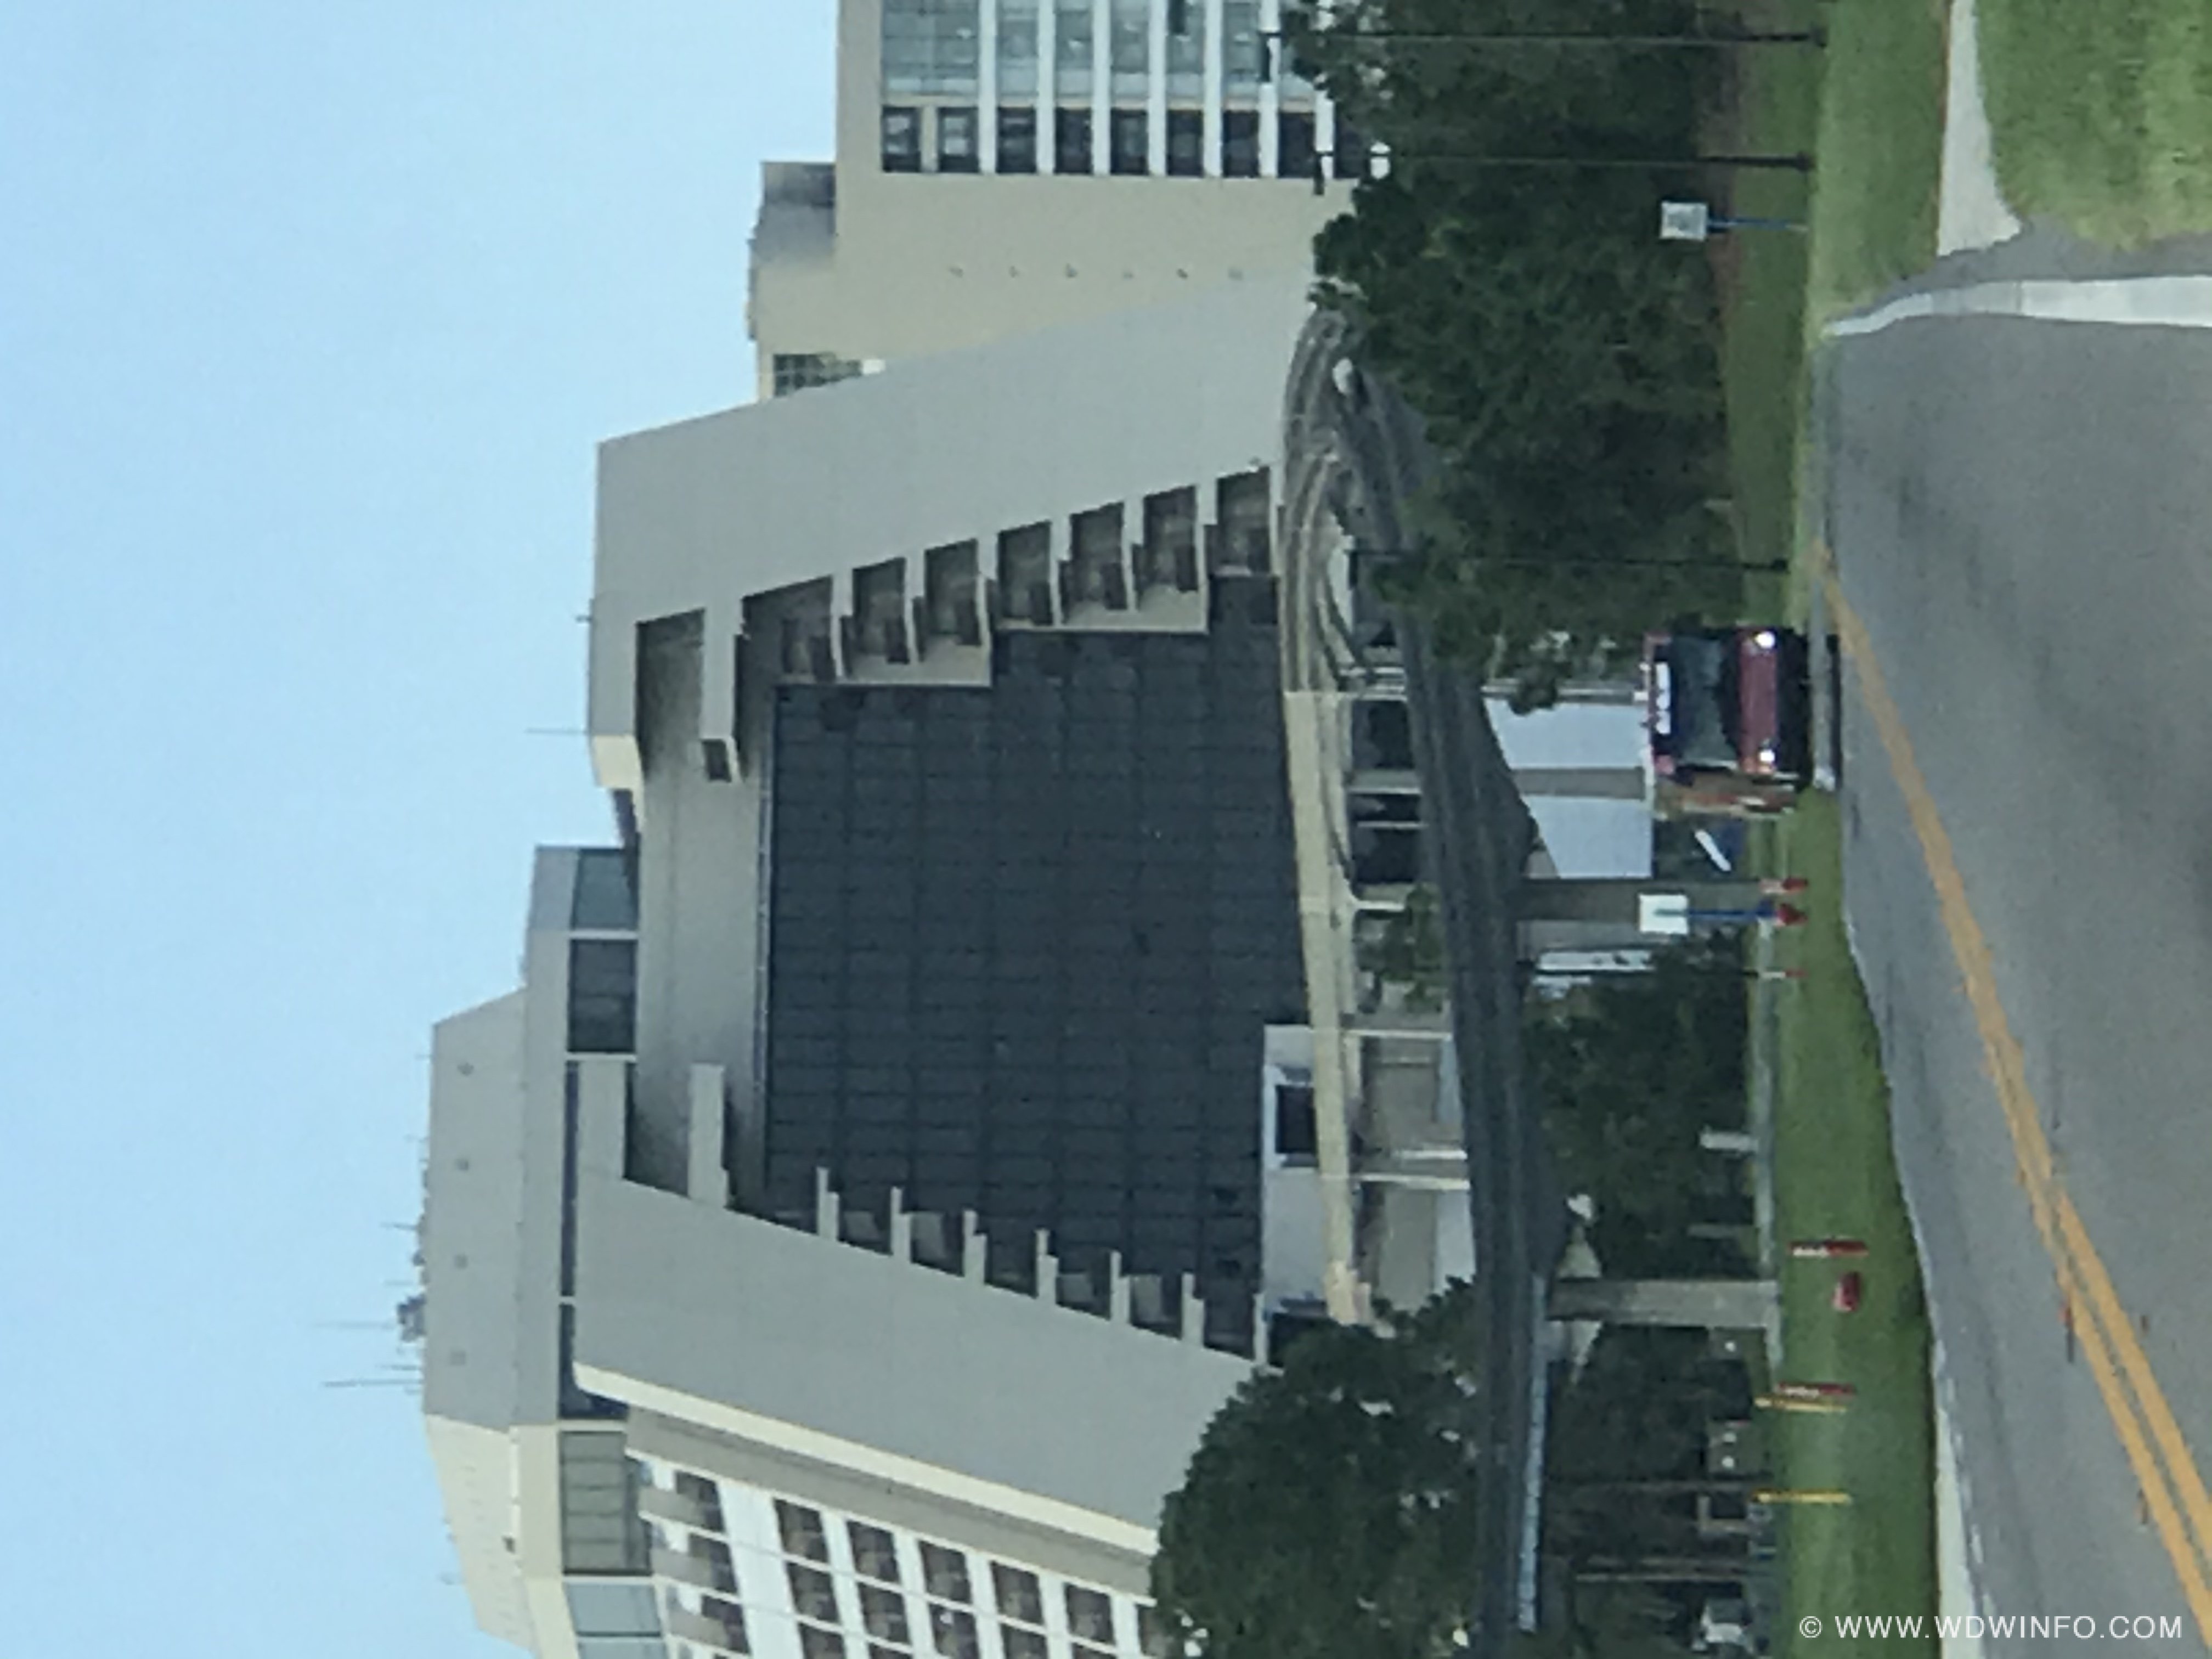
x: 858, y: 263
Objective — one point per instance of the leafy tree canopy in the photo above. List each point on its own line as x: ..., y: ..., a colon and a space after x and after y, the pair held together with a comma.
x: 1563, y: 359
x: 1330, y: 1512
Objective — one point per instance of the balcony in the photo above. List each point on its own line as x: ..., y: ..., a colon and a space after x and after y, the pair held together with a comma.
x: 700, y: 1571
x: 659, y: 1504
x: 1024, y: 589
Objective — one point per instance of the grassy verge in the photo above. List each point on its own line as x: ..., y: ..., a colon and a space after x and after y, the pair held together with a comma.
x: 1881, y: 149
x: 2102, y: 114
x: 1870, y: 107
x: 1835, y: 1176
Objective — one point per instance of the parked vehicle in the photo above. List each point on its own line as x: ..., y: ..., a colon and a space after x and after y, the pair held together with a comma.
x: 1728, y: 716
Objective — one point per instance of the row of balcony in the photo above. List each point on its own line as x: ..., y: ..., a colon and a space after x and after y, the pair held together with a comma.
x: 1090, y: 573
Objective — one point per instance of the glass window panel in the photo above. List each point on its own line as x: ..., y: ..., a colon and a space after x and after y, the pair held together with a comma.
x: 1295, y: 145
x: 1186, y: 53
x: 1073, y: 42
x: 1186, y: 143
x: 603, y: 900
x: 956, y: 141
x: 902, y: 139
x: 930, y: 45
x: 945, y: 1573
x: 952, y: 1633
x: 1071, y: 141
x: 1019, y: 1595
x: 1021, y: 1644
x: 815, y: 1643
x: 1243, y: 50
x: 1131, y: 49
x: 1130, y: 139
x: 800, y: 1529
x: 883, y: 1613
x: 813, y: 1595
x: 1018, y: 149
x: 1018, y: 48
x: 1240, y: 144
x: 874, y: 1554
x: 613, y: 1608
x: 1090, y: 1615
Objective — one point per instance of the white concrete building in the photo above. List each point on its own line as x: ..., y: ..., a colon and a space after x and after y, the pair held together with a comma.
x: 664, y: 1427
x: 1003, y: 166
x: 902, y: 1145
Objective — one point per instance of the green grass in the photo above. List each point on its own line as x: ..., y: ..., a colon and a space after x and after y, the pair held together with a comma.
x: 2102, y: 112
x: 1835, y: 1176
x: 1881, y: 149
x: 1870, y: 107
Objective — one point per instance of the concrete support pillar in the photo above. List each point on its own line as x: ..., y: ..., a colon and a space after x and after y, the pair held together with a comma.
x: 708, y: 1182
x: 1694, y: 1303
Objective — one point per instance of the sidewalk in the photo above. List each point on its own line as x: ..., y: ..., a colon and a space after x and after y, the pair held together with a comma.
x: 1970, y: 210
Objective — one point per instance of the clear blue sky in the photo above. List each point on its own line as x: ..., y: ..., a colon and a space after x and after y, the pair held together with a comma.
x: 310, y: 318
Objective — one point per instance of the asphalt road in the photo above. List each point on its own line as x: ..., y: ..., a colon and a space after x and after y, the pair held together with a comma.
x: 2023, y: 518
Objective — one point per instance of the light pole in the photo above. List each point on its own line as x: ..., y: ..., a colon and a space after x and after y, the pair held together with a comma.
x: 1796, y: 163
x: 1276, y: 38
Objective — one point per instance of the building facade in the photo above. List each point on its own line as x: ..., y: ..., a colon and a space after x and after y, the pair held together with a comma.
x: 840, y: 1241
x: 1003, y: 166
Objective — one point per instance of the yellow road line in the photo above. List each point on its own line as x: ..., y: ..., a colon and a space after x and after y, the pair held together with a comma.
x: 2174, y: 1489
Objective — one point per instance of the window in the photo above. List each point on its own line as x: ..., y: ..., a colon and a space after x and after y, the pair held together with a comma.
x: 1294, y: 144
x: 902, y: 139
x: 813, y: 1595
x: 731, y: 1617
x: 704, y: 1494
x: 956, y: 141
x: 1018, y: 48
x: 883, y: 1613
x: 795, y: 371
x: 1021, y: 1644
x: 1090, y: 1615
x: 602, y: 900
x: 1017, y: 150
x: 1296, y: 1137
x: 1018, y: 1596
x: 1244, y: 51
x: 1073, y: 45
x: 1240, y: 144
x: 1130, y: 151
x: 815, y: 1643
x: 1131, y: 48
x: 801, y: 1529
x: 874, y: 1554
x: 945, y: 1573
x: 612, y: 1607
x: 1187, y: 51
x: 602, y: 996
x: 1071, y: 141
x: 1186, y: 143
x: 1352, y: 151
x: 930, y: 45
x: 952, y: 1633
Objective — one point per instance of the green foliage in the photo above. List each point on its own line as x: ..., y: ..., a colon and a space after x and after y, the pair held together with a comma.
x: 1563, y: 359
x: 1409, y: 951
x: 1628, y: 1070
x: 1330, y: 1512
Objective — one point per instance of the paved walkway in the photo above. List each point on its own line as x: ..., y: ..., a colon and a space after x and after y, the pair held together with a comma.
x: 1970, y: 210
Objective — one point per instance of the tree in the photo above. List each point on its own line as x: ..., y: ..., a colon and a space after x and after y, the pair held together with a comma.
x: 1628, y: 1070
x: 1409, y: 950
x: 1330, y: 1512
x: 1565, y: 361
